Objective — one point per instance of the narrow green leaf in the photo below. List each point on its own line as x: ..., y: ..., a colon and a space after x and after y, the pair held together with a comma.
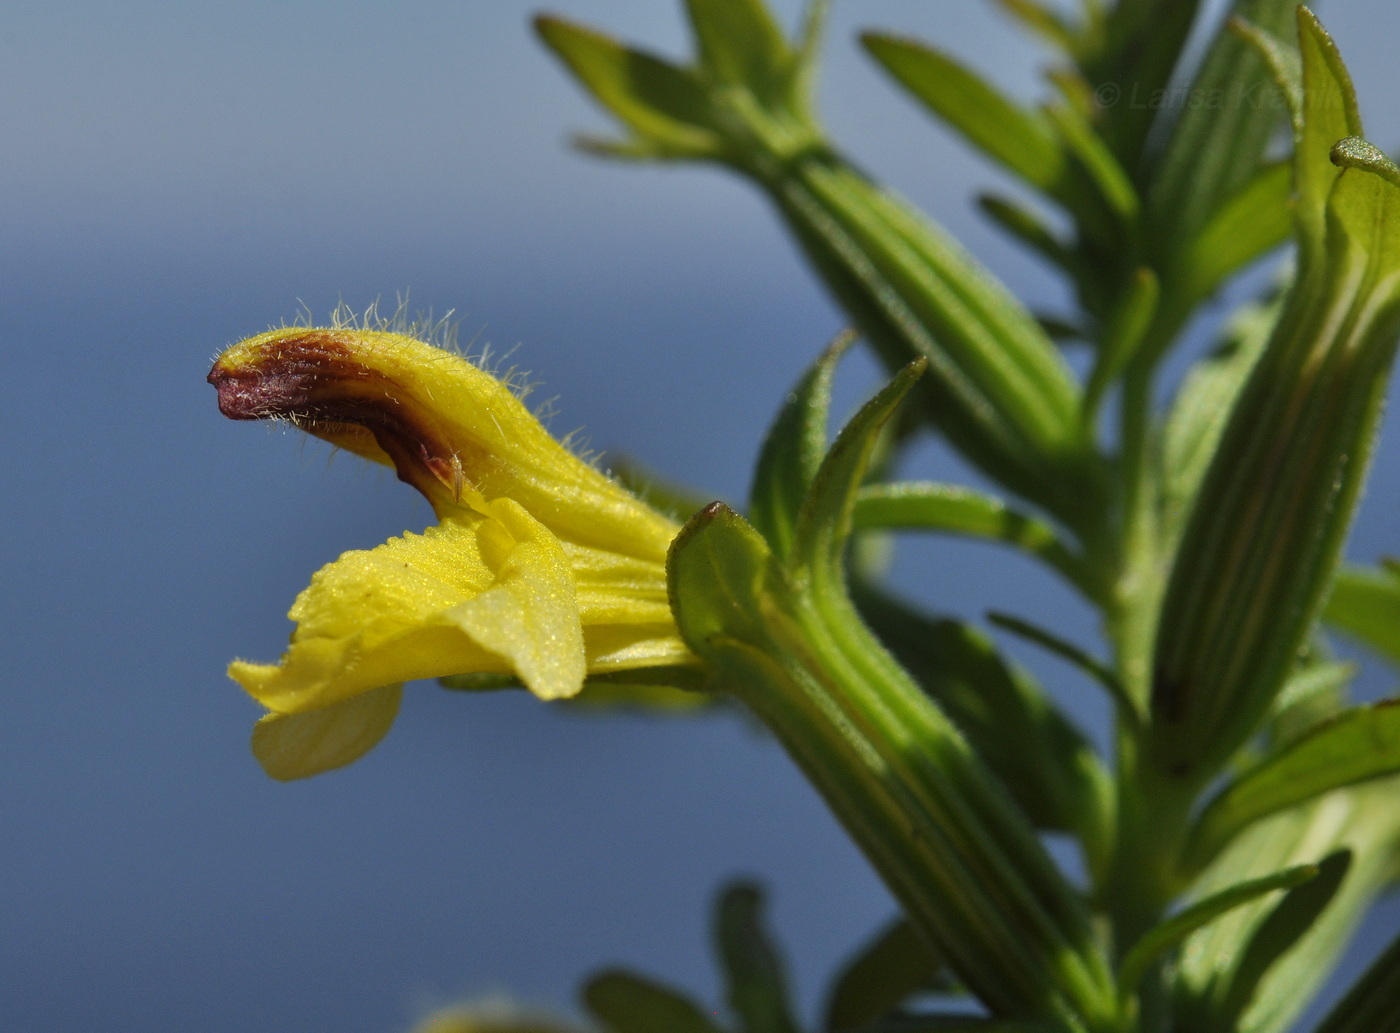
x: 1017, y: 138
x: 793, y: 451
x: 628, y: 1003
x: 741, y: 45
x: 666, y: 106
x: 1360, y: 744
x: 1220, y: 137
x: 825, y: 519
x: 1044, y: 22
x: 953, y: 509
x: 1168, y: 934
x: 1030, y: 230
x: 1247, y: 226
x: 1113, y: 184
x: 756, y: 982
x: 1068, y: 651
x: 1140, y: 51
x: 883, y: 974
x: 1122, y: 337
x: 1296, y: 914
x: 1365, y: 606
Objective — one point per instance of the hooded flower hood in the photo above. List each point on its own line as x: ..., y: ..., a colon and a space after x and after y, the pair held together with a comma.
x: 541, y: 567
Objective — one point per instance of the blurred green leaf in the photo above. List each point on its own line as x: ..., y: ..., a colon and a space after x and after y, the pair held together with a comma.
x: 1168, y: 934
x: 1294, y: 916
x: 1218, y: 142
x: 1365, y: 605
x: 1360, y: 744
x: 882, y: 975
x: 1122, y: 337
x: 628, y: 1003
x: 1246, y: 226
x: 741, y: 45
x: 1114, y: 187
x: 1317, y: 691
x: 1373, y: 1004
x: 1044, y: 22
x: 666, y: 106
x: 1068, y: 651
x: 953, y: 509
x: 756, y: 982
x: 1016, y: 137
x: 1030, y: 230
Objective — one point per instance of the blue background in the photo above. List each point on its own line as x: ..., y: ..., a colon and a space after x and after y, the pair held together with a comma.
x: 176, y: 176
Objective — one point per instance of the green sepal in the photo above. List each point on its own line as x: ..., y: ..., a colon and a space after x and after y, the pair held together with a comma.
x: 1356, y: 746
x: 718, y: 572
x: 793, y: 451
x: 1017, y: 138
x: 1275, y: 936
x: 824, y: 519
x: 954, y: 509
x: 666, y: 106
x: 1365, y: 606
x: 756, y: 983
x: 628, y: 1003
x: 896, y: 964
x: 1170, y: 933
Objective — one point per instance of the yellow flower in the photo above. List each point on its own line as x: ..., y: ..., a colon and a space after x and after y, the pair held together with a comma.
x: 541, y: 566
